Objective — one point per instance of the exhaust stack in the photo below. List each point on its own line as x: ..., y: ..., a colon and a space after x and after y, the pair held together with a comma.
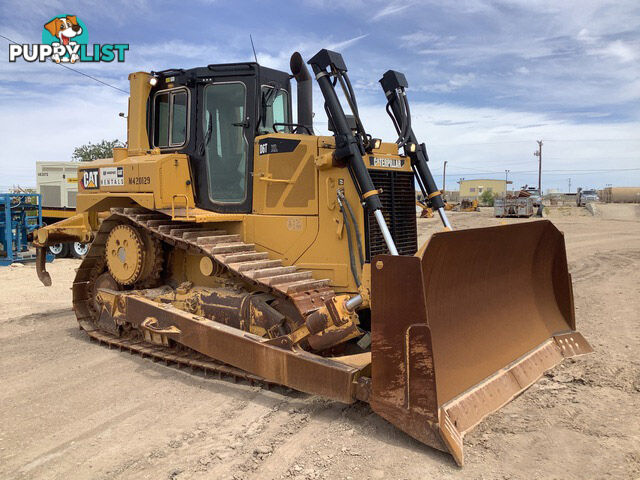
x: 305, y: 97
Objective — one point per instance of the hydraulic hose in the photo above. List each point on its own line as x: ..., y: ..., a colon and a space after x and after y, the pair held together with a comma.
x: 407, y: 115
x: 393, y: 120
x: 345, y: 84
x: 352, y: 258
x: 394, y: 84
x: 420, y: 184
x: 357, y: 230
x: 348, y: 148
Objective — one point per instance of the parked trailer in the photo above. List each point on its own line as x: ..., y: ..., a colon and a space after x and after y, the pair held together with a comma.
x: 58, y: 185
x: 513, y: 207
x: 620, y: 195
x: 57, y: 182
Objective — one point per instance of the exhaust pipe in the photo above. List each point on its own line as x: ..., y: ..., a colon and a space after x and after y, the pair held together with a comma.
x: 305, y: 99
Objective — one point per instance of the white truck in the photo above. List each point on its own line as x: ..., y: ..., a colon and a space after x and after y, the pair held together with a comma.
x: 57, y: 183
x: 586, y: 196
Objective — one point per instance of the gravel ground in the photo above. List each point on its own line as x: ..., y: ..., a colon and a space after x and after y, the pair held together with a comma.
x: 71, y: 409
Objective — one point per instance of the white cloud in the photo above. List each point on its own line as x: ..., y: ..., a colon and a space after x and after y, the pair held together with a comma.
x: 175, y: 48
x: 24, y: 13
x: 476, y: 141
x: 483, y: 142
x: 49, y: 129
x: 453, y: 83
x: 425, y: 39
x: 279, y: 61
x: 392, y: 9
x: 585, y: 36
x: 459, y: 80
x: 419, y: 38
x: 578, y: 65
x: 345, y: 43
x: 619, y: 50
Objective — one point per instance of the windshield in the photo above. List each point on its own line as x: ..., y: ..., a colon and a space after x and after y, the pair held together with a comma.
x: 275, y: 109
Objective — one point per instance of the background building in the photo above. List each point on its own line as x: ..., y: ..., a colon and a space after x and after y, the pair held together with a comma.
x: 472, y: 189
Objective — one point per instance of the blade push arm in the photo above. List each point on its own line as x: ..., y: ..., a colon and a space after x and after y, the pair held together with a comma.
x: 394, y: 85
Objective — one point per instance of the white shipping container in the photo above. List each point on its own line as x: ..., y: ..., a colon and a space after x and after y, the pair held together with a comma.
x: 57, y: 182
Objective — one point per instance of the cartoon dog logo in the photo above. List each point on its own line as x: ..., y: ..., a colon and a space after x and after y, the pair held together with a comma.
x: 64, y: 29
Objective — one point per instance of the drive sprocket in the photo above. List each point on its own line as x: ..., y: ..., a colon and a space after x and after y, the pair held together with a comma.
x: 125, y: 254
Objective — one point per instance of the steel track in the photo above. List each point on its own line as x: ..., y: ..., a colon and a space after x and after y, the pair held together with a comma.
x: 229, y: 255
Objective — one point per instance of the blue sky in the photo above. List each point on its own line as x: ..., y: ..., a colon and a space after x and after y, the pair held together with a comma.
x: 487, y: 79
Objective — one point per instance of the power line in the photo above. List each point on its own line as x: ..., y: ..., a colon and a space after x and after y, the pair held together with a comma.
x: 618, y: 157
x: 577, y: 172
x: 469, y: 168
x: 76, y: 71
x: 604, y: 170
x: 502, y: 142
x: 491, y: 163
x: 465, y: 169
x: 597, y: 140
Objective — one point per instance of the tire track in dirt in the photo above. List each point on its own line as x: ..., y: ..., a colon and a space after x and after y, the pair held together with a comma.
x: 61, y: 448
x: 233, y: 446
x: 262, y: 439
x: 31, y: 319
x: 265, y: 438
x: 580, y: 418
x: 172, y: 437
x: 184, y: 450
x: 597, y: 265
x: 285, y: 460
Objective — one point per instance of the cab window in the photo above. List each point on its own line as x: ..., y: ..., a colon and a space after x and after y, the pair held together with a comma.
x: 275, y: 109
x: 170, y: 118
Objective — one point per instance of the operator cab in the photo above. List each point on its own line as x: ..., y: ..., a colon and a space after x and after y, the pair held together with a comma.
x: 213, y: 114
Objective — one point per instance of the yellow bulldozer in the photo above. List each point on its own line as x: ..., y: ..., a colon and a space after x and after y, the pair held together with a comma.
x: 229, y: 238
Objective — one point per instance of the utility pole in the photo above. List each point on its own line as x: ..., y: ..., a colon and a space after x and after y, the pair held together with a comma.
x: 538, y: 153
x: 569, y: 185
x: 444, y: 179
x: 506, y: 182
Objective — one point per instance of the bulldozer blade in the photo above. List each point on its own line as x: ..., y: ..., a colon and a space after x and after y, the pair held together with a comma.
x: 467, y: 324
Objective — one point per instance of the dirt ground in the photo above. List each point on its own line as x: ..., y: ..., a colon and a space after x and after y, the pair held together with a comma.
x: 70, y: 409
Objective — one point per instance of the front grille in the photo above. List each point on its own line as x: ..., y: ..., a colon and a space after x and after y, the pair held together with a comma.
x: 399, y: 209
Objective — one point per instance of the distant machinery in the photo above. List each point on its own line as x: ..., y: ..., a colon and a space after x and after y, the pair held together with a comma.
x: 20, y: 214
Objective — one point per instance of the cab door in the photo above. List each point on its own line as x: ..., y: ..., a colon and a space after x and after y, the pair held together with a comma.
x: 227, y: 145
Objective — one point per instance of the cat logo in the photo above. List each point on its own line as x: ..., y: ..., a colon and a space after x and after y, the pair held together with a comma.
x: 89, y: 179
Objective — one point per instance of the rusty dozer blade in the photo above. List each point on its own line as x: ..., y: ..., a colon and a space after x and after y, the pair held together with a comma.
x: 464, y: 327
